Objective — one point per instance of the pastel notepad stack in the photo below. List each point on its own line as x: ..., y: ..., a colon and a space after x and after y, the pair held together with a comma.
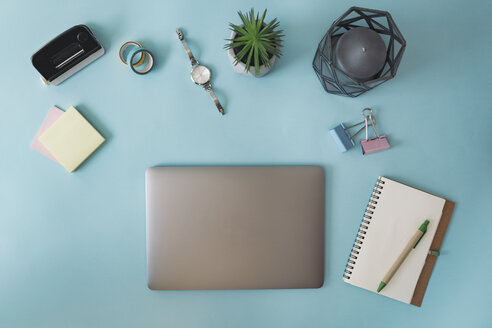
x: 67, y: 138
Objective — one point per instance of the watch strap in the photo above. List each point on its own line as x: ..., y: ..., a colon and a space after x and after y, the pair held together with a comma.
x: 215, y: 99
x: 185, y: 45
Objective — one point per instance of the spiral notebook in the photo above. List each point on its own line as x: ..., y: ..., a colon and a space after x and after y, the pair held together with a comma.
x: 394, y: 213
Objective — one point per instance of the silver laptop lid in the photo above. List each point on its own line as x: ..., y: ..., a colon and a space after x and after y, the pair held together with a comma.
x: 255, y: 227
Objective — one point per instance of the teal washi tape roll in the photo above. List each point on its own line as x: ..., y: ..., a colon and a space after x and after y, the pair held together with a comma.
x: 134, y: 64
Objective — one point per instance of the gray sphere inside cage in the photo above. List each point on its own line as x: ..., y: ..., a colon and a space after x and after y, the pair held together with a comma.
x: 337, y: 81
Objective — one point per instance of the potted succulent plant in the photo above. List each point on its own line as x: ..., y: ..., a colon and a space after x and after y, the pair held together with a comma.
x: 254, y: 46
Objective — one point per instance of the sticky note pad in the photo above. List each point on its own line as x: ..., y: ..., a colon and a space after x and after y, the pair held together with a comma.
x: 71, y: 139
x: 53, y: 115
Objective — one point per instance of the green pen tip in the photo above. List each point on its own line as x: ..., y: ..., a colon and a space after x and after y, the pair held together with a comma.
x: 424, y: 225
x: 381, y: 286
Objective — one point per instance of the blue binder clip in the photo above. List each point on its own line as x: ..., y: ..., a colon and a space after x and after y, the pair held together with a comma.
x: 342, y: 138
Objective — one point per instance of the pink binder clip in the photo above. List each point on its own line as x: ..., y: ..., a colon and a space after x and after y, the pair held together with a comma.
x: 373, y: 145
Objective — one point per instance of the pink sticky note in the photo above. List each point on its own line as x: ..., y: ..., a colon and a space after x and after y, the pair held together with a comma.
x: 51, y: 118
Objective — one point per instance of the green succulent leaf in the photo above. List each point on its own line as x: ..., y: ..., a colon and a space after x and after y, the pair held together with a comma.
x: 255, y: 41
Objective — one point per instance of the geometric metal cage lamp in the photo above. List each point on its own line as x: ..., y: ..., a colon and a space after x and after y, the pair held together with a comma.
x: 336, y: 80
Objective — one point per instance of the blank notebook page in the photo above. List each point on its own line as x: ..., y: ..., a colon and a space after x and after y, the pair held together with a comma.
x: 399, y: 212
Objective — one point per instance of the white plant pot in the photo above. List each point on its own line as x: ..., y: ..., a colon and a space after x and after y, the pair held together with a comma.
x: 240, y: 67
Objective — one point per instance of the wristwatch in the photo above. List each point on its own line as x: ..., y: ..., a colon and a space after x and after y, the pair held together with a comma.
x: 200, y: 74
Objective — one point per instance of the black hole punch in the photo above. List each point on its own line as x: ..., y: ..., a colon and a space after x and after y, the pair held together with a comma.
x: 82, y: 37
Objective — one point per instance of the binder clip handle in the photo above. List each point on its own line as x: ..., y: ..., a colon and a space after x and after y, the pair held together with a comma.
x: 368, y: 118
x: 353, y: 126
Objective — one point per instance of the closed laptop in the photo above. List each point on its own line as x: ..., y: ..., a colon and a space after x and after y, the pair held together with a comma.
x: 235, y: 227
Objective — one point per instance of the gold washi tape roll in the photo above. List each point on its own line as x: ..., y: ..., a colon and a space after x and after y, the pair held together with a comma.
x: 124, y: 46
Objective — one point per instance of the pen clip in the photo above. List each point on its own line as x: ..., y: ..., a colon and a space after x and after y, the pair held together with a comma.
x: 419, y: 239
x: 422, y: 228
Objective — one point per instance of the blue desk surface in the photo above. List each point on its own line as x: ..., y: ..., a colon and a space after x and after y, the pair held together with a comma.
x: 72, y: 246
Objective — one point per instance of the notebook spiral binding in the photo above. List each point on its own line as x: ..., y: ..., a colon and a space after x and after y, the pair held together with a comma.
x: 364, y: 226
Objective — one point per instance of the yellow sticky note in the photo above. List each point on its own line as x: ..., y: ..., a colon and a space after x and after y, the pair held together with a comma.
x: 71, y: 139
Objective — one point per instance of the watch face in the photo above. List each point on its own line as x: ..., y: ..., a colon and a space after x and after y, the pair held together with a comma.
x: 200, y: 74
